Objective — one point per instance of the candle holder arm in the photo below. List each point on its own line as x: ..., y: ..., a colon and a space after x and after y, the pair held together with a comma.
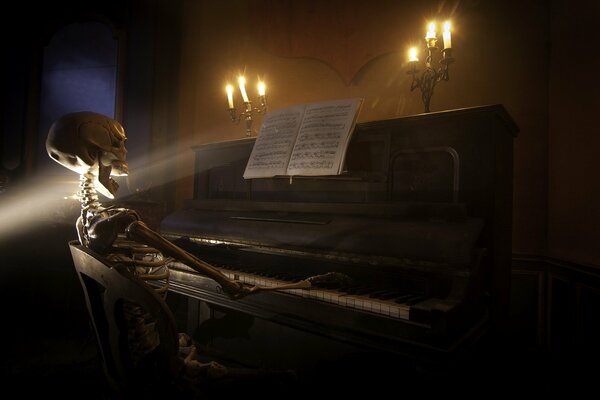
x: 248, y: 113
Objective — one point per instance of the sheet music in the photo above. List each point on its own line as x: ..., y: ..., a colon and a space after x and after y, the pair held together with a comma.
x: 274, y: 144
x: 323, y: 137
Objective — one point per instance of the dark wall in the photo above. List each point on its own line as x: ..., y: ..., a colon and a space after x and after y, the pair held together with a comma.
x: 574, y: 136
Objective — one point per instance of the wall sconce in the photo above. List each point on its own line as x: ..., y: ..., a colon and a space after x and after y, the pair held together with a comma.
x: 431, y: 76
x: 249, y: 111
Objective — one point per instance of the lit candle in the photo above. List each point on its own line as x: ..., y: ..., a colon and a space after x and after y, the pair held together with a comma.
x: 447, y: 38
x: 261, y: 88
x: 242, y: 82
x: 412, y: 55
x: 229, y: 90
x: 431, y: 32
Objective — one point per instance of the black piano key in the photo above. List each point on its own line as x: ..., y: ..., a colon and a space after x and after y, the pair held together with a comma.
x: 415, y: 300
x: 349, y: 290
x: 380, y: 293
x: 341, y: 289
x: 403, y: 298
x: 328, y: 285
x: 365, y: 290
x: 354, y: 289
x: 392, y: 294
x: 248, y: 269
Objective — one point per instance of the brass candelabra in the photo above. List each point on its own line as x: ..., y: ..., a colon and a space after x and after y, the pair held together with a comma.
x: 249, y: 111
x: 431, y: 75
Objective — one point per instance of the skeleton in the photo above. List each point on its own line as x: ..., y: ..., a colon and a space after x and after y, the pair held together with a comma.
x: 93, y: 145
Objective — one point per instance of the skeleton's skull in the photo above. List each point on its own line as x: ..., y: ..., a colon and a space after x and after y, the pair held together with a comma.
x: 87, y: 142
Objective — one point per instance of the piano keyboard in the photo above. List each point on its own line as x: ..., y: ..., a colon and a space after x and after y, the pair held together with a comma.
x: 390, y: 303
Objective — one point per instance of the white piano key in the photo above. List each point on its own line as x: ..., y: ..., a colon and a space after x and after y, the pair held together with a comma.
x: 357, y: 302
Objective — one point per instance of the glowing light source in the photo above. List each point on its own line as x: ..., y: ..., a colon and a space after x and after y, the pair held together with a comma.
x: 248, y: 110
x: 447, y: 37
x: 38, y: 201
x: 242, y: 83
x: 431, y: 75
x: 431, y: 31
x: 42, y: 199
x: 229, y: 90
x: 412, y: 55
x: 262, y: 89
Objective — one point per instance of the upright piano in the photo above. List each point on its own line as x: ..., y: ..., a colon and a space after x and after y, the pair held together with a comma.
x: 420, y: 220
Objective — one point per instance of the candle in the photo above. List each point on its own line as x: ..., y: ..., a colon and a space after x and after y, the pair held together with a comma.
x: 431, y: 32
x: 229, y: 90
x: 242, y: 82
x: 447, y: 38
x: 412, y: 55
x: 261, y: 88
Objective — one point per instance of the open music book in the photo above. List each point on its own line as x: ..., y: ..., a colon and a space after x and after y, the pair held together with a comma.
x: 308, y: 139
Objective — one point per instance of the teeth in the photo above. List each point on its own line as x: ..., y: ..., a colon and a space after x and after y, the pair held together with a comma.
x: 120, y: 166
x: 117, y: 163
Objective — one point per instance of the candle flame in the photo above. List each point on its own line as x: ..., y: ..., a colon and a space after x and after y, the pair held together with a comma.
x: 431, y: 32
x: 412, y: 54
x: 242, y: 82
x: 229, y: 90
x: 261, y: 88
x: 447, y: 26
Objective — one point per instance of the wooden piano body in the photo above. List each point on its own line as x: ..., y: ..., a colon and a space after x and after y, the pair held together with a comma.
x: 420, y: 220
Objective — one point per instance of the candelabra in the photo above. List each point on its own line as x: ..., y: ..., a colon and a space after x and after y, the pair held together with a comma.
x: 249, y: 110
x: 431, y: 75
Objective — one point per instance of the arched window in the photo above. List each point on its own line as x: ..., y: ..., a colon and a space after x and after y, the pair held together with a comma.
x: 79, y: 74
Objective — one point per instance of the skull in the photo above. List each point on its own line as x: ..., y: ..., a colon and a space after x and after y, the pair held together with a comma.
x: 87, y: 142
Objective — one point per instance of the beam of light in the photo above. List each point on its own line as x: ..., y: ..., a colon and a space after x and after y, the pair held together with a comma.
x: 163, y: 166
x: 158, y: 172
x: 48, y: 200
x: 38, y: 201
x: 52, y: 199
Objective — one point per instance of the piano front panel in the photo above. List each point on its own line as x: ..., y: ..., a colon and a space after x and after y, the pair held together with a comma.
x: 429, y: 174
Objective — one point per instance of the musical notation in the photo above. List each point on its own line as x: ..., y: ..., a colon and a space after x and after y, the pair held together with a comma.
x: 304, y: 140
